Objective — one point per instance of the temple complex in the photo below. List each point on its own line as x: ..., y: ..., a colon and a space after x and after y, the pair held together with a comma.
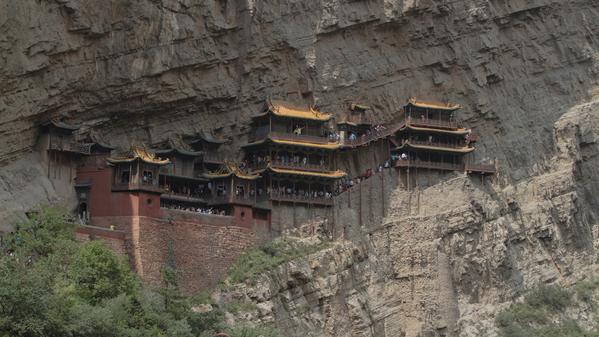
x: 181, y: 180
x: 298, y: 164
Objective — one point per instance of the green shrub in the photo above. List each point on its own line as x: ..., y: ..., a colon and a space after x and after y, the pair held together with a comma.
x: 553, y: 297
x: 254, y: 331
x: 52, y: 286
x: 239, y: 306
x: 585, y: 289
x: 267, y: 257
x: 543, y: 313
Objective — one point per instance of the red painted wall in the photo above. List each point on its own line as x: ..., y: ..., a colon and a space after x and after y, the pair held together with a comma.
x: 103, y: 202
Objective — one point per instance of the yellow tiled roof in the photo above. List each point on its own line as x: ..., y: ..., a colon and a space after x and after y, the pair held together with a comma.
x: 438, y: 148
x: 284, y: 109
x: 230, y: 168
x: 433, y: 105
x: 460, y: 131
x: 333, y: 174
x: 138, y: 152
x: 327, y: 146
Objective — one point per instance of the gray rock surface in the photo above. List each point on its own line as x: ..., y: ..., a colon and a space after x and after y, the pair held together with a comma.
x: 525, y: 71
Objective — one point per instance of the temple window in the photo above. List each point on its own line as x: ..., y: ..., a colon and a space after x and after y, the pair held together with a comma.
x: 125, y: 176
x: 147, y: 177
x: 239, y: 191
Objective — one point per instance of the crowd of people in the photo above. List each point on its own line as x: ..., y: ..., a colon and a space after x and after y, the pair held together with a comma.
x: 347, y: 183
x: 370, y: 132
x: 282, y: 158
x: 299, y: 192
x: 194, y: 209
x: 194, y: 191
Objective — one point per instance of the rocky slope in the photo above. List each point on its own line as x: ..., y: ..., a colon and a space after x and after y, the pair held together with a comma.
x: 525, y: 72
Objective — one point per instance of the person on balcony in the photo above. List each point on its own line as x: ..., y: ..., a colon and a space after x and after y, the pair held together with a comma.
x: 298, y: 130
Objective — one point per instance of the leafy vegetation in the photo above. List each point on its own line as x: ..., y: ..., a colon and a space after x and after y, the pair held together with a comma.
x: 51, y: 285
x: 544, y: 312
x: 265, y: 258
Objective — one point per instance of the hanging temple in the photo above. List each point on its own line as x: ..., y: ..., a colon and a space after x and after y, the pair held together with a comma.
x: 297, y: 162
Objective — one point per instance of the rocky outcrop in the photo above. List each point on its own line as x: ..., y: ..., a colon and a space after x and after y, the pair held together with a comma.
x: 445, y: 266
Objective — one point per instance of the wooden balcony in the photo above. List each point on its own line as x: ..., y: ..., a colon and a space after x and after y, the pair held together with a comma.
x: 183, y: 198
x: 300, y: 166
x: 122, y: 187
x: 72, y: 147
x: 259, y: 135
x: 468, y: 168
x: 436, y: 144
x: 432, y: 123
x: 245, y: 200
x: 480, y: 169
x: 429, y: 165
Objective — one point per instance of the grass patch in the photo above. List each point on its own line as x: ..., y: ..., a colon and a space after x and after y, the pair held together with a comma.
x: 239, y: 306
x: 265, y: 258
x: 543, y: 313
x: 584, y: 290
x: 255, y: 331
x: 552, y: 297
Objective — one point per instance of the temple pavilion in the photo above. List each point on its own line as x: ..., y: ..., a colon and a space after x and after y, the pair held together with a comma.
x: 182, y: 179
x: 238, y: 193
x: 354, y: 123
x: 294, y: 149
x: 136, y: 170
x: 209, y: 146
x: 61, y: 149
x: 430, y: 137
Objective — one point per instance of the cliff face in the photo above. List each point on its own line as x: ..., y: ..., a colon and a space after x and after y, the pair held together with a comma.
x: 134, y: 71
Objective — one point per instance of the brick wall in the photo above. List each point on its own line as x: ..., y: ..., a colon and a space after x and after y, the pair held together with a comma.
x: 201, y: 247
x: 116, y: 240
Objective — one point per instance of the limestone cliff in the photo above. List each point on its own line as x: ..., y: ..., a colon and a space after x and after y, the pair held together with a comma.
x: 525, y: 71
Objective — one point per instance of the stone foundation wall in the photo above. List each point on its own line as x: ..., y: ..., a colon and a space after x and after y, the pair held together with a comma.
x: 116, y: 240
x: 201, y: 248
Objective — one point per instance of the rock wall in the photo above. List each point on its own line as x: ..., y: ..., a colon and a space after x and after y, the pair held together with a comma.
x: 134, y: 71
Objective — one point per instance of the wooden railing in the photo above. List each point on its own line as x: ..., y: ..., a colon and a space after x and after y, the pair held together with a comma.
x: 435, y: 144
x: 300, y: 166
x: 137, y: 186
x: 263, y: 134
x: 432, y: 123
x: 70, y: 147
x: 481, y: 168
x: 299, y: 138
x: 184, y: 197
x: 430, y: 165
x: 469, y: 168
x: 387, y: 131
